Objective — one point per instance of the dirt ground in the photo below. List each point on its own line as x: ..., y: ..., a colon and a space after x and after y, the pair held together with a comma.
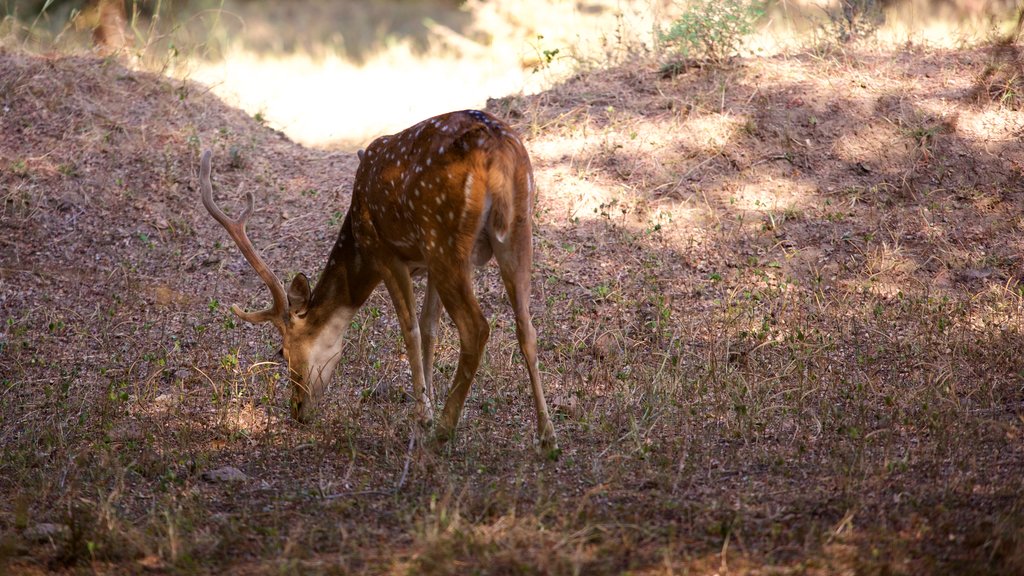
x: 780, y: 316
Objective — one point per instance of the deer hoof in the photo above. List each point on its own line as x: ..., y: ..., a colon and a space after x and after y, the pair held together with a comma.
x: 424, y: 415
x: 423, y: 420
x: 442, y: 435
x: 548, y: 445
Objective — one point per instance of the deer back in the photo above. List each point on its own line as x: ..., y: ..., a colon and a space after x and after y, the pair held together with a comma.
x: 427, y: 193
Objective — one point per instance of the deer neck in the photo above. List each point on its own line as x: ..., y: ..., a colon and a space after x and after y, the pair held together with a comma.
x: 348, y: 278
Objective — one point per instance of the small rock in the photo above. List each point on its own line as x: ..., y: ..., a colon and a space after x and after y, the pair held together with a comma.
x: 977, y: 273
x: 152, y: 563
x: 164, y: 402
x: 565, y: 404
x: 127, y: 432
x: 46, y: 532
x: 606, y: 348
x: 225, y: 474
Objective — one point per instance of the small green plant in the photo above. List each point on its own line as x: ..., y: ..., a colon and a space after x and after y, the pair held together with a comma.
x: 229, y: 361
x: 335, y: 219
x: 712, y: 30
x: 545, y: 56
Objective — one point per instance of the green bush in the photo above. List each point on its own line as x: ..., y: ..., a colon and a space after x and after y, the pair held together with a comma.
x: 712, y: 29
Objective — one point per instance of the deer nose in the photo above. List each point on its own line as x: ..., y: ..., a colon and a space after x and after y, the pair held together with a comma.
x: 302, y: 407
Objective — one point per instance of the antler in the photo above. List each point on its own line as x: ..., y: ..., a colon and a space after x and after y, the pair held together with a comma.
x: 277, y: 313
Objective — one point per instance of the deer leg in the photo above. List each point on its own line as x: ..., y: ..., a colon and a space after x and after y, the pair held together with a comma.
x: 515, y: 259
x: 456, y: 293
x: 399, y: 285
x: 428, y: 331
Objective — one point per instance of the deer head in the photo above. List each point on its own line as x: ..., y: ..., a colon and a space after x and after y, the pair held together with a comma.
x: 311, y: 338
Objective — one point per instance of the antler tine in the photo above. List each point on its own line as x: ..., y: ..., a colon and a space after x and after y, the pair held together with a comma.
x: 236, y: 229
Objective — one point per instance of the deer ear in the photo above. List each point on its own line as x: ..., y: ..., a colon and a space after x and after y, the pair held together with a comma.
x: 361, y: 153
x: 298, y: 295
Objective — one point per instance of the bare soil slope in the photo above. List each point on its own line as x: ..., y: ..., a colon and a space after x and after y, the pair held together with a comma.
x: 779, y: 304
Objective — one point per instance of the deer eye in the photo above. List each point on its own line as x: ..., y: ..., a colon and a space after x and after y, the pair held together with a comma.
x: 280, y: 353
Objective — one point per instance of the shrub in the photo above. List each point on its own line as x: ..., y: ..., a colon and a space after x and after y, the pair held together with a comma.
x: 712, y: 29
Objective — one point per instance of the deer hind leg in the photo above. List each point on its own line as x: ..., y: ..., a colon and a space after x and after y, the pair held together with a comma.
x: 399, y: 284
x: 456, y: 293
x: 515, y: 260
x: 428, y: 331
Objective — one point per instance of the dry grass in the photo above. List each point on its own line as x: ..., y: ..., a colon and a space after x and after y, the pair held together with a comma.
x: 780, y: 311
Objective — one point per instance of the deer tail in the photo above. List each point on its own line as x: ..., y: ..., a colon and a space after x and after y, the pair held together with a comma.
x: 508, y: 178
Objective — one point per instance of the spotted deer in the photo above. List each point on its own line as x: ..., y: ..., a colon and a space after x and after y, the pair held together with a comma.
x: 440, y: 197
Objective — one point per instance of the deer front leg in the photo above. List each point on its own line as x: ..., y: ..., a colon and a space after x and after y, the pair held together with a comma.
x: 428, y: 331
x: 399, y: 285
x: 456, y: 293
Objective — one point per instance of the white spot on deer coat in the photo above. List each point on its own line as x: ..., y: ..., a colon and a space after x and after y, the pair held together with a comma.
x: 469, y: 186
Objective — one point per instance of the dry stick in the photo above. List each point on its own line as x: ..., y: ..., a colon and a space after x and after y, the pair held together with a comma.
x: 408, y: 458
x: 691, y: 171
x: 393, y: 491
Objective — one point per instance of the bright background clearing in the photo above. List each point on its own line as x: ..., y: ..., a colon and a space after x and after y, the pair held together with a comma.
x: 422, y: 60
x: 337, y: 74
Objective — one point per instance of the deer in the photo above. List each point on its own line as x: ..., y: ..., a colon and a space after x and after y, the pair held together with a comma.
x: 439, y: 198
